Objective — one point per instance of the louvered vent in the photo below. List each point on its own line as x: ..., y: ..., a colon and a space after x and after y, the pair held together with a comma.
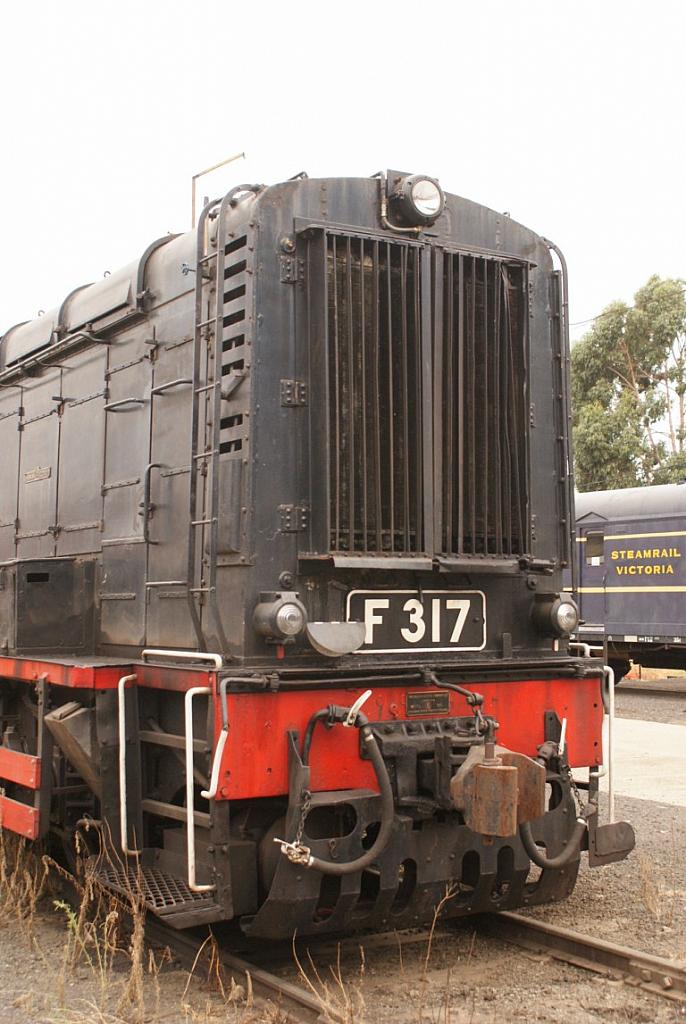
x: 233, y: 338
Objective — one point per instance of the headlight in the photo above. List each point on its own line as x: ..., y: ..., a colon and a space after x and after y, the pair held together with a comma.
x: 426, y: 197
x: 555, y: 615
x: 418, y: 199
x: 279, y: 616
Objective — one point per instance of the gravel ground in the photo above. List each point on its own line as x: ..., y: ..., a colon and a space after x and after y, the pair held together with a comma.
x: 656, y: 708
x: 640, y: 902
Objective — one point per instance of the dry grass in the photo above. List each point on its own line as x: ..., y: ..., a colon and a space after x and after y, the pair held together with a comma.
x: 23, y: 879
x: 342, y: 1000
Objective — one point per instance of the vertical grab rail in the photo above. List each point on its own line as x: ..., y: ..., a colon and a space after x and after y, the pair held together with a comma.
x: 609, y: 675
x: 195, y: 691
x: 123, y: 819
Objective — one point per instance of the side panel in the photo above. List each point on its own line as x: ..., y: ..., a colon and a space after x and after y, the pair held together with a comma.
x: 127, y: 453
x: 168, y: 617
x: 10, y: 439
x: 38, y: 467
x: 82, y: 444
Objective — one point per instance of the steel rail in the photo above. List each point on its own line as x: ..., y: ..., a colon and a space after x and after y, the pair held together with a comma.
x: 651, y: 973
x: 304, y: 1007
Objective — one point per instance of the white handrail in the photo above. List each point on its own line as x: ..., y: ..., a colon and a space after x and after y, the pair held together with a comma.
x: 210, y: 794
x: 123, y: 821
x: 216, y: 659
x: 195, y: 691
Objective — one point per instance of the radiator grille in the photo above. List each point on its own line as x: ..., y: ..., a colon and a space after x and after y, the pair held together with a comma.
x: 484, y: 407
x: 375, y: 415
x: 397, y: 370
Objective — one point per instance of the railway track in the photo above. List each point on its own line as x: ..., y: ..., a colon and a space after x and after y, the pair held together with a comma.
x: 653, y: 974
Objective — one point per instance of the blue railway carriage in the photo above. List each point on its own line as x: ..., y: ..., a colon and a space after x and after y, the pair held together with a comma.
x: 631, y: 559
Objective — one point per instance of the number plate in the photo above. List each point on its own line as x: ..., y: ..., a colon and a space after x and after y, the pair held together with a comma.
x: 402, y: 620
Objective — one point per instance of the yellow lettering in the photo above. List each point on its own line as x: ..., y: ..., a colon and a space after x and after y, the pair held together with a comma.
x: 630, y: 554
x: 621, y: 570
x: 649, y: 569
x: 665, y: 553
x: 670, y: 570
x: 631, y: 570
x: 615, y: 555
x: 656, y: 552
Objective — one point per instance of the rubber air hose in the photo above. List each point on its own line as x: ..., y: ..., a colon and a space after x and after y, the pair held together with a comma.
x: 568, y: 851
x: 328, y: 867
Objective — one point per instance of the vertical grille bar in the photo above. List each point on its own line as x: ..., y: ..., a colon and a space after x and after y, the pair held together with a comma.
x: 497, y: 453
x: 376, y: 469
x: 351, y: 392
x: 390, y: 422
x: 486, y: 455
x: 405, y: 400
x: 335, y: 389
x: 363, y: 395
x: 459, y: 387
x: 438, y: 352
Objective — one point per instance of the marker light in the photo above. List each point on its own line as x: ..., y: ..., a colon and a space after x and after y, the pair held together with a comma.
x: 555, y: 615
x: 279, y: 616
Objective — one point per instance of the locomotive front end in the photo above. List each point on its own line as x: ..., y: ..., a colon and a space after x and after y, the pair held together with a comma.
x: 407, y: 525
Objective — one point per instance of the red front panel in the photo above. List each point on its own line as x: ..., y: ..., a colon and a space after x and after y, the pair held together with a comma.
x: 19, y: 818
x: 23, y: 769
x: 255, y: 762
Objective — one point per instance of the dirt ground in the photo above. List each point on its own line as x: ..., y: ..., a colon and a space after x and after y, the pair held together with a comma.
x: 47, y: 978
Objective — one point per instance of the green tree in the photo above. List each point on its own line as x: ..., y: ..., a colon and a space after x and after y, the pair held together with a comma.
x: 629, y: 391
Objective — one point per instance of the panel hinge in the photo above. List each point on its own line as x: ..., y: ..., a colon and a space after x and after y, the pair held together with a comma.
x: 293, y: 392
x: 293, y: 518
x: 292, y: 269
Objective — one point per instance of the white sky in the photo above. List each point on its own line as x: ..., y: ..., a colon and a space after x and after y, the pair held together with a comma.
x: 568, y: 114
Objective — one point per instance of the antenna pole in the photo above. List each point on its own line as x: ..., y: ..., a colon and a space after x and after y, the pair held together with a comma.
x: 208, y: 170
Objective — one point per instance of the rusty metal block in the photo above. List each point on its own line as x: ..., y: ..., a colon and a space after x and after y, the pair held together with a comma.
x: 530, y: 784
x: 496, y: 797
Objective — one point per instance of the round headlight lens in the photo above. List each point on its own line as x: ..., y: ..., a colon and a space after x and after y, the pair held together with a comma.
x: 426, y: 197
x: 566, y: 617
x: 290, y: 619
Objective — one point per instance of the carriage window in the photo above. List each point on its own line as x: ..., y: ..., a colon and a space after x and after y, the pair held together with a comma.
x: 595, y: 548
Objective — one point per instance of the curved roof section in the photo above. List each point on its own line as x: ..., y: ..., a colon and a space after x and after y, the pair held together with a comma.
x: 153, y: 278
x: 632, y: 502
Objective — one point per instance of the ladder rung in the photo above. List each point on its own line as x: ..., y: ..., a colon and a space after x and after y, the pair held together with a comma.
x: 207, y: 387
x: 202, y: 522
x: 164, y: 810
x: 200, y: 590
x: 207, y: 257
x: 166, y: 739
x: 205, y: 323
x: 206, y: 455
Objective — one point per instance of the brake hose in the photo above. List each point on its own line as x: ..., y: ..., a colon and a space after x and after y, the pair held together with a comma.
x: 301, y: 855
x: 569, y: 850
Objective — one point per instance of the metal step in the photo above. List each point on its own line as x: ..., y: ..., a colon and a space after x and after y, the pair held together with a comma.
x: 163, y: 893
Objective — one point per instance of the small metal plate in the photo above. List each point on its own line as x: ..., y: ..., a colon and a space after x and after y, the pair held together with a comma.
x: 431, y: 703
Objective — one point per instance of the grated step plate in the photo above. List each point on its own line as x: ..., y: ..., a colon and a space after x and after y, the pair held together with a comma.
x: 163, y: 893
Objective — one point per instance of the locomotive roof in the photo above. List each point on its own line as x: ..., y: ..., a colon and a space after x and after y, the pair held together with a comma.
x: 161, y: 274
x: 632, y: 502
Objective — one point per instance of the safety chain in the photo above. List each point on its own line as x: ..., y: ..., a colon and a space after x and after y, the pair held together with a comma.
x: 296, y: 851
x: 304, y: 811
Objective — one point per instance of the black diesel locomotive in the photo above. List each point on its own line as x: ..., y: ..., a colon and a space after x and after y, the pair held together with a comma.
x: 285, y: 508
